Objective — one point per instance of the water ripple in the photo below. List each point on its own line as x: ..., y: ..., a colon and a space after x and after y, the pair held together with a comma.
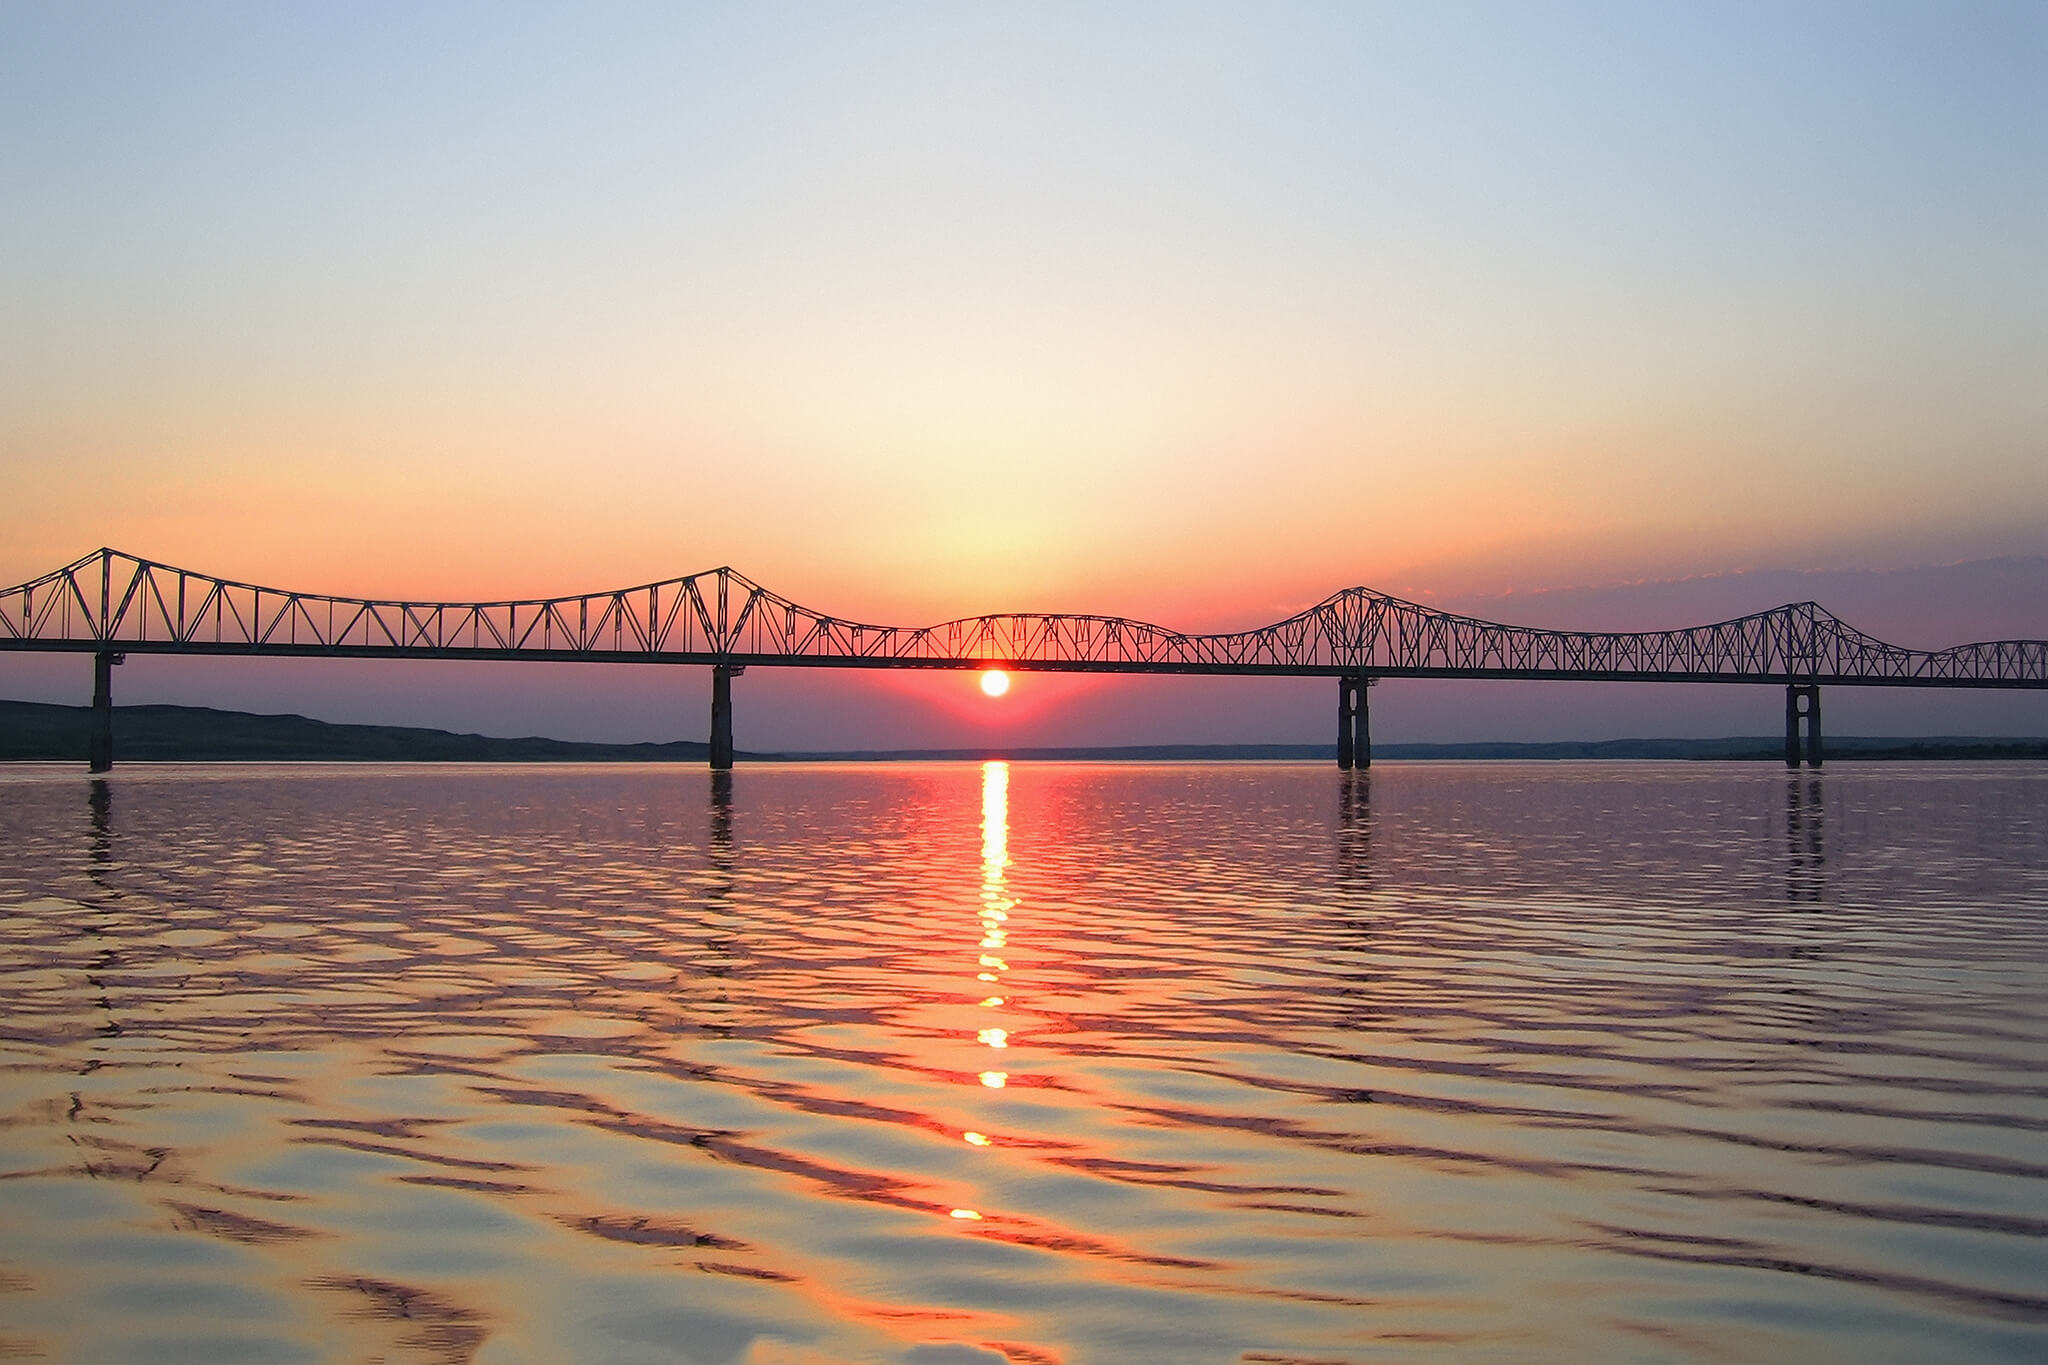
x: 1044, y: 1063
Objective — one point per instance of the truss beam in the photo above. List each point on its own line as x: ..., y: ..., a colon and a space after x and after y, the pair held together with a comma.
x: 110, y: 601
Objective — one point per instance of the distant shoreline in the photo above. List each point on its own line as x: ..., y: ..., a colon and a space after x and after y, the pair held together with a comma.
x: 44, y: 732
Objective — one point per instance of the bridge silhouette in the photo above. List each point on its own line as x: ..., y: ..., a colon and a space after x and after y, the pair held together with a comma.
x: 111, y: 604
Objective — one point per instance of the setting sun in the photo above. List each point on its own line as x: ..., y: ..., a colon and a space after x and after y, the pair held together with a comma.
x: 995, y: 682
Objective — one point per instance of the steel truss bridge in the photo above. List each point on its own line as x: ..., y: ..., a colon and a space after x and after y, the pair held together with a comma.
x: 111, y: 604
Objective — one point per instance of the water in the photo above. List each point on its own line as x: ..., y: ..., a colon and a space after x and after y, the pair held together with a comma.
x: 957, y: 1063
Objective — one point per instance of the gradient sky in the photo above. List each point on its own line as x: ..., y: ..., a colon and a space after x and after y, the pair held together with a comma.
x: 1191, y: 313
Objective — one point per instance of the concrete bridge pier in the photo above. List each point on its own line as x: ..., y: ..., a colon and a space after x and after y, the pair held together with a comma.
x: 1802, y: 703
x: 1364, y: 714
x: 99, y: 744
x: 721, y: 715
x: 1354, y: 722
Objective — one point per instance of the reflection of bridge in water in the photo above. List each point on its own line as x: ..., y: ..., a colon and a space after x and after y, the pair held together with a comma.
x: 111, y: 604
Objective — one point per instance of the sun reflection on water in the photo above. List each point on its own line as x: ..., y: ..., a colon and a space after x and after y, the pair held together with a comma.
x: 995, y: 822
x: 996, y: 904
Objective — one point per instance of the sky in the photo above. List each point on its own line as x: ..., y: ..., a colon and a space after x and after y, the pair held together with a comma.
x: 1574, y: 314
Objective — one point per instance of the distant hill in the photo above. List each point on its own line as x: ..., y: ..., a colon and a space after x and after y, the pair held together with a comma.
x: 36, y: 730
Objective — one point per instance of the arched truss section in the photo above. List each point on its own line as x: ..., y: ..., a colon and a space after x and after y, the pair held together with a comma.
x: 114, y: 601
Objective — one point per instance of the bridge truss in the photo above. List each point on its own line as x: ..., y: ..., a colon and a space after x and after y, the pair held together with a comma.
x: 112, y: 604
x: 111, y: 601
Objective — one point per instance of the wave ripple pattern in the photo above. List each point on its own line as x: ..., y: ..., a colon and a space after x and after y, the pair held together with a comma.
x: 939, y: 1064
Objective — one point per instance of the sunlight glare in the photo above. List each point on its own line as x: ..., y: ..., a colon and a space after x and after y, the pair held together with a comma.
x: 994, y: 682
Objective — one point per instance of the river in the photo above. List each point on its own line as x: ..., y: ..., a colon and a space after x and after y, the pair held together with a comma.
x: 954, y: 1063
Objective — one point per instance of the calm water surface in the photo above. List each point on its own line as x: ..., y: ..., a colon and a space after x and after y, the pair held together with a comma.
x: 1036, y: 1063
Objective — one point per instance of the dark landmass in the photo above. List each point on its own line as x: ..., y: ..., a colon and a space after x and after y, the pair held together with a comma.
x: 35, y: 730
x: 40, y: 731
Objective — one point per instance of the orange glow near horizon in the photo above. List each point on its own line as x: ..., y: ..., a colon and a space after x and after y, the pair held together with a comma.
x: 1167, y: 408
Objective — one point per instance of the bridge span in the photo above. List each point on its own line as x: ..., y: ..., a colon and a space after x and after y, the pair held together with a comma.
x: 111, y: 604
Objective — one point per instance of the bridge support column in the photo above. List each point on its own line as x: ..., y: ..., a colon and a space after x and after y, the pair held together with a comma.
x: 1354, y: 722
x: 1347, y: 703
x: 721, y: 715
x: 99, y: 744
x: 1802, y: 703
x: 1362, y: 740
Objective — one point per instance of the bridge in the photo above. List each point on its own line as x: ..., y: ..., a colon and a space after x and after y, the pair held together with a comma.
x: 111, y: 604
